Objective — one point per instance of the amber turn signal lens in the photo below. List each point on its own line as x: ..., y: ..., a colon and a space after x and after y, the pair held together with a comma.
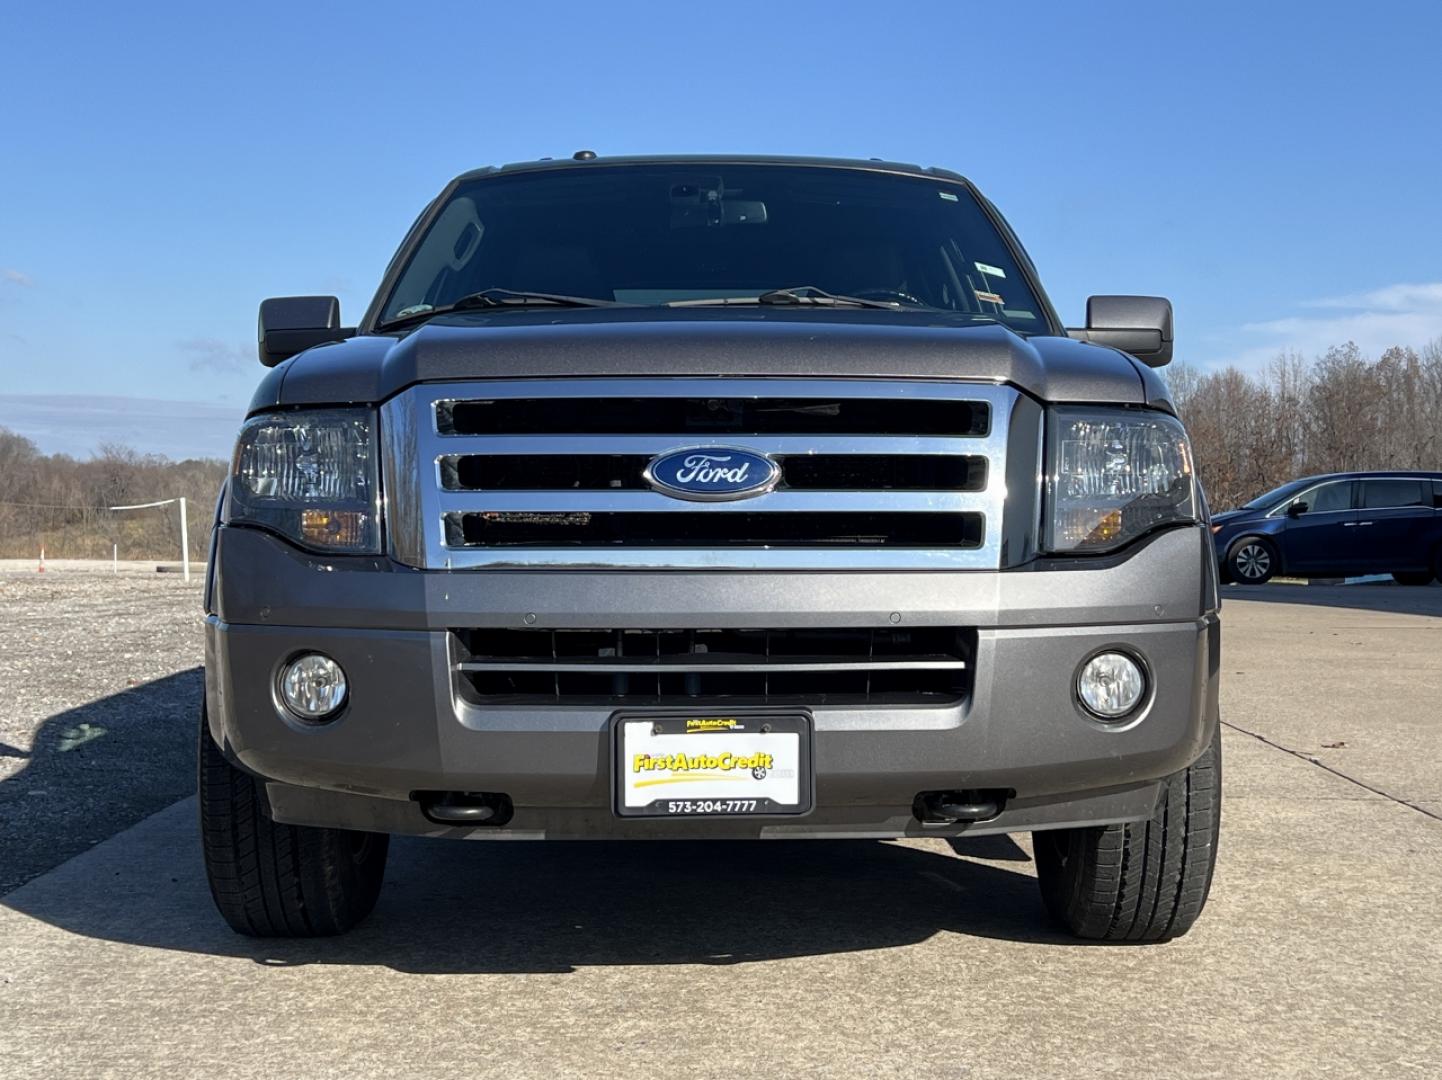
x: 1107, y: 529
x: 1088, y: 527
x: 333, y: 528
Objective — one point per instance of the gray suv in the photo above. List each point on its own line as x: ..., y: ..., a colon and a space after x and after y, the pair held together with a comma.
x: 693, y: 498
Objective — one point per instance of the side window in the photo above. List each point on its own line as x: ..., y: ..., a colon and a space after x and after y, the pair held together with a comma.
x: 1380, y: 494
x: 1329, y: 497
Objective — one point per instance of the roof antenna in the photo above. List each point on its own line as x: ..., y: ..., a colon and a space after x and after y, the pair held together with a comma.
x: 584, y: 155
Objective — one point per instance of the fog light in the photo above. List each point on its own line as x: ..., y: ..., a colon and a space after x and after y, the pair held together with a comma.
x: 1110, y: 685
x: 313, y: 686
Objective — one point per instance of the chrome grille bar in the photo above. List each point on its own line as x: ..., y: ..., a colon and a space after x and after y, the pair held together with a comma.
x: 712, y: 664
x: 653, y: 502
x: 456, y: 445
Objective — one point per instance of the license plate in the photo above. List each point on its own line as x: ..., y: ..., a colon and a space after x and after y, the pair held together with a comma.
x: 713, y: 764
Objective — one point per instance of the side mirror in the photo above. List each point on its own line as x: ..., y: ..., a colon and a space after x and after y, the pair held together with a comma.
x: 292, y: 324
x: 1296, y: 509
x: 1140, y: 325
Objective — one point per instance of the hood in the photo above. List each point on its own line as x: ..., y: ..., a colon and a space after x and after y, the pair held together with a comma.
x: 663, y: 343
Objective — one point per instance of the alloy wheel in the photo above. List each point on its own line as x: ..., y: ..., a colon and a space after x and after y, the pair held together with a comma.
x: 1253, y: 562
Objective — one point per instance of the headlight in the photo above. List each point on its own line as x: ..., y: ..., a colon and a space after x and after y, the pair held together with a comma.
x: 1113, y: 475
x: 310, y: 476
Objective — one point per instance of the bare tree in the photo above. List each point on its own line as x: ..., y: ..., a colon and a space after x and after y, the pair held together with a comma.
x: 1344, y: 411
x: 58, y: 503
x: 1339, y: 413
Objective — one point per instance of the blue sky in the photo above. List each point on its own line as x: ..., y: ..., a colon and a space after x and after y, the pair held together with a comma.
x: 1272, y: 167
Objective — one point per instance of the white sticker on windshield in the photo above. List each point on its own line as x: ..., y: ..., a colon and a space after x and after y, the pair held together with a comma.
x: 991, y: 271
x: 949, y: 196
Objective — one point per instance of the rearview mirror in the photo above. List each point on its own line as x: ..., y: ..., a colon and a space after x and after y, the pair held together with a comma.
x: 1296, y: 509
x: 292, y: 324
x: 1140, y: 325
x: 700, y: 202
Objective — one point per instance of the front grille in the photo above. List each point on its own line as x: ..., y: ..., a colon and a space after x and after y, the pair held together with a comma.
x: 872, y: 473
x: 922, y: 666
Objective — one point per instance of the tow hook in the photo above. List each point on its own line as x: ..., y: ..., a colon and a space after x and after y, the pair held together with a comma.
x: 465, y: 807
x: 936, y: 807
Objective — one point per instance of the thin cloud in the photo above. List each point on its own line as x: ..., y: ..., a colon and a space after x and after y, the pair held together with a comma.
x: 77, y: 424
x: 12, y: 276
x: 212, y: 354
x: 1405, y: 298
x: 338, y: 285
x: 1403, y: 314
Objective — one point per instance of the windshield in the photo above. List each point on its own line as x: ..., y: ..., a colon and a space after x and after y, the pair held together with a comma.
x: 1276, y: 495
x: 661, y: 234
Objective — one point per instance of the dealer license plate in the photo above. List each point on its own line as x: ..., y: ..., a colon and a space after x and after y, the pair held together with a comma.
x: 713, y: 764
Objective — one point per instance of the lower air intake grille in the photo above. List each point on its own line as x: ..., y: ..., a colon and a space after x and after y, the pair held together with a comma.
x: 923, y: 666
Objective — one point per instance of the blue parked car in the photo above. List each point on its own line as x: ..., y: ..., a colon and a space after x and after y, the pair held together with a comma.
x: 1337, y: 525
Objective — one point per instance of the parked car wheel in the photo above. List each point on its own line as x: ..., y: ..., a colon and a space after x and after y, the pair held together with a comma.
x: 1143, y: 881
x: 1251, y: 561
x: 274, y: 880
x: 1412, y: 577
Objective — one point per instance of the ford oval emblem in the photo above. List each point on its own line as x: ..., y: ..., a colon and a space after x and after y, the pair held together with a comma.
x: 712, y: 473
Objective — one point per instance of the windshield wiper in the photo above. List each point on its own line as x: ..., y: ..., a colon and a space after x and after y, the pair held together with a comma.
x: 795, y: 294
x: 493, y: 298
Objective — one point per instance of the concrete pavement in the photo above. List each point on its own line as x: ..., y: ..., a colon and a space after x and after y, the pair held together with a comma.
x: 1349, y: 675
x: 1319, y: 955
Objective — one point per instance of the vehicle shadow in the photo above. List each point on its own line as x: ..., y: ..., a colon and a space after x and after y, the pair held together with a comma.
x: 552, y: 908
x: 454, y: 907
x: 1399, y: 599
x: 95, y: 770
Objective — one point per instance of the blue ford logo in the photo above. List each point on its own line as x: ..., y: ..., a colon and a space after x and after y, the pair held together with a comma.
x: 712, y: 473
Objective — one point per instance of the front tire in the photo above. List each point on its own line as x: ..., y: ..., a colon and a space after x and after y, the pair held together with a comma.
x: 1252, y: 561
x: 1142, y: 881
x: 1412, y: 577
x: 274, y: 880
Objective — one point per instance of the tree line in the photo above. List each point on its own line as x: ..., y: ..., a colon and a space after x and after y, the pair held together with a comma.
x: 1338, y: 412
x: 57, y: 502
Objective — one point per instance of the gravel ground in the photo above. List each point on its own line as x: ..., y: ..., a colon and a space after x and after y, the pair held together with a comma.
x: 101, y: 680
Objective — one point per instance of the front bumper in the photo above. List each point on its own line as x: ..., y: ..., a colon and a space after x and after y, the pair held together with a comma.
x: 405, y: 730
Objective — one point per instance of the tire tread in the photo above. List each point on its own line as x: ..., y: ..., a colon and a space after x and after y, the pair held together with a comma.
x: 1140, y: 881
x: 274, y: 880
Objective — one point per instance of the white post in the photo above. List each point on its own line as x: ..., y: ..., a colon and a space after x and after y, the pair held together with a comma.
x: 184, y: 542
x: 115, y: 558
